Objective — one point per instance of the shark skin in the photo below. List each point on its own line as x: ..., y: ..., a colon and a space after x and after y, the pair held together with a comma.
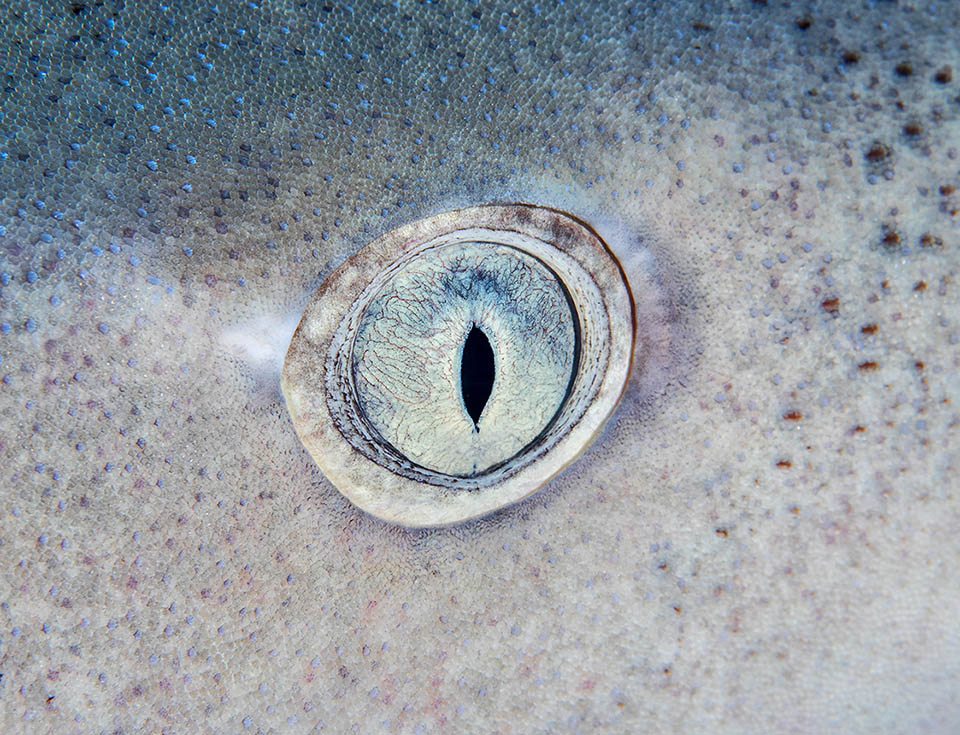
x: 762, y: 538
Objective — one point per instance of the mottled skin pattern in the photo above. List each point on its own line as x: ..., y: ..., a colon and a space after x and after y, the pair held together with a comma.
x: 763, y: 539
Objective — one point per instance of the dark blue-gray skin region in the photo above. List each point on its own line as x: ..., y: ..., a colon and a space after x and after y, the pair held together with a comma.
x: 762, y: 538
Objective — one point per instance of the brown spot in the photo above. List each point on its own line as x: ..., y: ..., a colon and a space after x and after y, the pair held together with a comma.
x: 677, y: 610
x: 944, y: 75
x: 947, y: 189
x: 851, y: 57
x: 793, y: 416
x: 869, y: 329
x: 666, y: 670
x: 913, y: 129
x: 928, y: 240
x: 904, y: 69
x: 919, y: 365
x: 891, y: 238
x: 868, y: 366
x: 804, y: 23
x: 795, y: 509
x: 784, y: 464
x: 858, y: 429
x: 722, y: 532
x: 878, y: 152
x: 920, y: 286
x: 831, y: 305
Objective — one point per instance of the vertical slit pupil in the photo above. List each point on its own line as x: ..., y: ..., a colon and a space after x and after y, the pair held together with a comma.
x: 476, y: 373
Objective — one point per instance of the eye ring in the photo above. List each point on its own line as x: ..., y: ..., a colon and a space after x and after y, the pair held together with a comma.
x: 320, y: 373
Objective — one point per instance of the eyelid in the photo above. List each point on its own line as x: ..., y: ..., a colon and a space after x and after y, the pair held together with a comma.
x: 317, y: 381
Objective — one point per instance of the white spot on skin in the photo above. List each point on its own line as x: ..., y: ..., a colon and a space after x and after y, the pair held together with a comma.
x: 259, y: 344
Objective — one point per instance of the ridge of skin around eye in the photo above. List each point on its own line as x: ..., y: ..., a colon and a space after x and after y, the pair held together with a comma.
x: 321, y: 395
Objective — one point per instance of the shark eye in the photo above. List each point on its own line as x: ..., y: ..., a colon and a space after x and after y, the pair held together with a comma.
x: 456, y: 364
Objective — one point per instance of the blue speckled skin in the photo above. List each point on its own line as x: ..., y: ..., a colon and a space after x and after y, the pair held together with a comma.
x: 763, y: 538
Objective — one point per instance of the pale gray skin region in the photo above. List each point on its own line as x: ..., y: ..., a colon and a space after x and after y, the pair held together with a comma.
x: 763, y: 539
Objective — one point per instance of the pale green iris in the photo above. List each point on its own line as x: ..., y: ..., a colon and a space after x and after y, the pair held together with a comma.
x: 409, y: 343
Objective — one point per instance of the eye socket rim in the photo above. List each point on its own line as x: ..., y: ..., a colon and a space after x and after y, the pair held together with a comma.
x: 325, y: 326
